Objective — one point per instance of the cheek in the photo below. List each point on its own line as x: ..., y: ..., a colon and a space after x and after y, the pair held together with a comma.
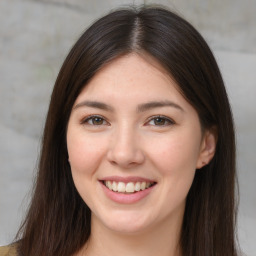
x: 175, y: 162
x: 84, y: 154
x: 176, y: 156
x: 176, y: 153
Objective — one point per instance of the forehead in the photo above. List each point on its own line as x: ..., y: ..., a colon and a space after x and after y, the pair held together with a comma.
x: 131, y: 75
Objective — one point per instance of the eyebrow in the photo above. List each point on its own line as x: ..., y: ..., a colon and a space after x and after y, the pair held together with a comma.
x: 141, y: 107
x: 158, y: 104
x: 95, y: 104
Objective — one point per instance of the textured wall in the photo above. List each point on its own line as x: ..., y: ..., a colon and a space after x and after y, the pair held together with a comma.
x: 35, y: 37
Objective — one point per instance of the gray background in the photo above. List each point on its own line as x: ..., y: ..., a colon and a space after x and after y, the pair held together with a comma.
x: 35, y: 37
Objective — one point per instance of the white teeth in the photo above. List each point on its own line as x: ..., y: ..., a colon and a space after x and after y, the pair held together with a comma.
x: 143, y: 185
x: 137, y: 186
x: 121, y: 187
x: 114, y: 186
x: 108, y: 184
x: 130, y: 187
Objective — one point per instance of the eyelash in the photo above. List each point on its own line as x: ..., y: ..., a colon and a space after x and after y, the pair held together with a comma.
x: 153, y: 118
x: 91, y: 118
x: 167, y: 120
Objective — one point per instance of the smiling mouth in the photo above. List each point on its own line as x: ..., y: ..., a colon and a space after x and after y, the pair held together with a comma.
x: 128, y: 188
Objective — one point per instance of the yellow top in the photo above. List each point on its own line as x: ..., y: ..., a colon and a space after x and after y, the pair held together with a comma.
x: 8, y: 250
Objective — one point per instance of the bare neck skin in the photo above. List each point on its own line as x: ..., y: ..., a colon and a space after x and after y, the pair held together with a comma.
x: 161, y: 240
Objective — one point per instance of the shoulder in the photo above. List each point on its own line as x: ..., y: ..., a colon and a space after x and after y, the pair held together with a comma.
x: 8, y: 250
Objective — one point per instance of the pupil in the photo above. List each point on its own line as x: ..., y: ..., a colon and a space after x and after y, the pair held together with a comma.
x: 160, y: 121
x: 97, y: 120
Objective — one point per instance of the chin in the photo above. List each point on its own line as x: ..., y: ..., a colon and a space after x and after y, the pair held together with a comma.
x: 127, y: 228
x: 127, y: 223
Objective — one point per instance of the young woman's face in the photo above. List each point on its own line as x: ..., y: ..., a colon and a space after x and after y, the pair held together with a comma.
x: 134, y: 144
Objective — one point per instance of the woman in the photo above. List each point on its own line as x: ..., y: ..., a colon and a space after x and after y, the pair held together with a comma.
x: 138, y: 152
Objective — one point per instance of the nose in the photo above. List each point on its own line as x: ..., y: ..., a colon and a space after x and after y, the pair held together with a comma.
x: 125, y: 149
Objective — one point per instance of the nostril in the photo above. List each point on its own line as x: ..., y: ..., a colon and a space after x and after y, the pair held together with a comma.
x: 125, y: 158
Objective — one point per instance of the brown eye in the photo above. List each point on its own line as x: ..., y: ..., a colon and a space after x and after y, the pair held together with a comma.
x: 160, y: 121
x: 94, y: 120
x: 97, y: 120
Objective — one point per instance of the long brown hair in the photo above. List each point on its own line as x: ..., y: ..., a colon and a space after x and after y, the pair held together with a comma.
x: 58, y: 220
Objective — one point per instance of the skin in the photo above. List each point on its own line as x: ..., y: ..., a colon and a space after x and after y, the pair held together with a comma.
x: 127, y: 142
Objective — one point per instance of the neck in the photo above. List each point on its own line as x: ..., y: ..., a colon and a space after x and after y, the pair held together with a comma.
x: 163, y: 239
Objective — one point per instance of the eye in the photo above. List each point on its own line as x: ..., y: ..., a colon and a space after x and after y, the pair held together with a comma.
x: 160, y: 121
x: 94, y: 120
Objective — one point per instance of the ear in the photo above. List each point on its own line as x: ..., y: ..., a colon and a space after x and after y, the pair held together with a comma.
x: 208, y: 147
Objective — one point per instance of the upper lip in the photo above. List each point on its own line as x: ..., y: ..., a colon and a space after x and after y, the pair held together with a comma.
x: 126, y: 179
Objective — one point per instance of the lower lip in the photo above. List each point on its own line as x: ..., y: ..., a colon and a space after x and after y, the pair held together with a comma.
x: 128, y: 198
